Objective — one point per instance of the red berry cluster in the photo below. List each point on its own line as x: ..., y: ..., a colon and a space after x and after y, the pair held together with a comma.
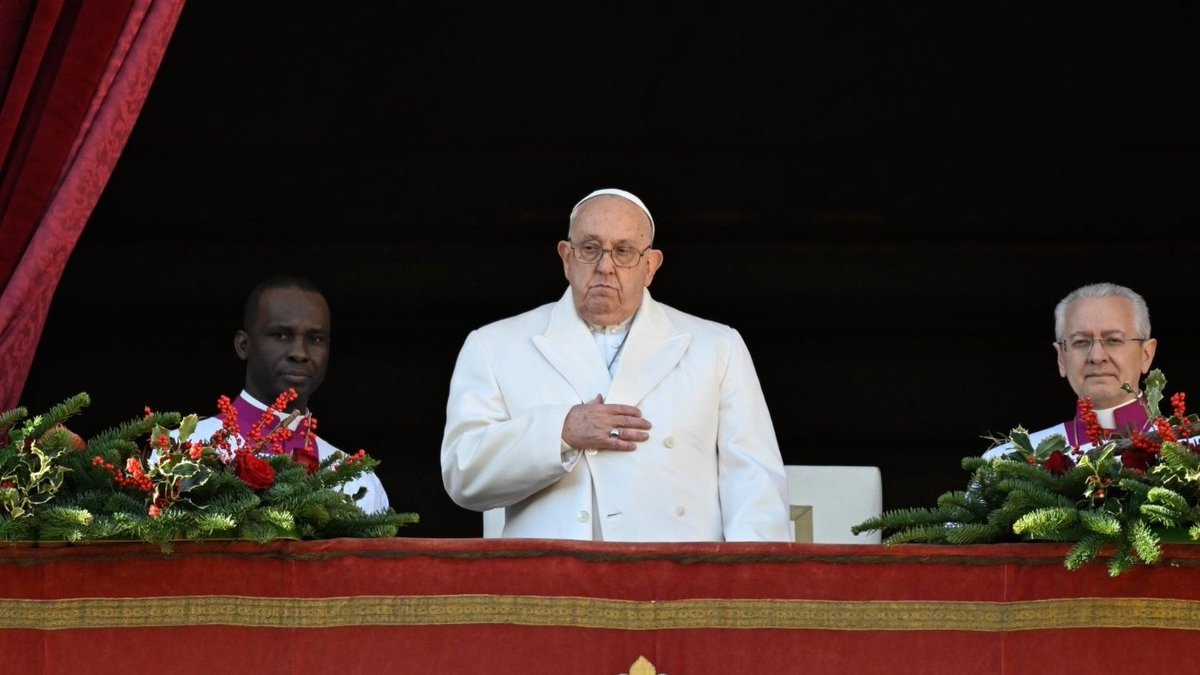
x: 281, y: 434
x: 357, y: 457
x: 1179, y: 406
x: 1165, y: 432
x: 310, y: 430
x: 1145, y: 443
x: 1095, y: 433
x: 229, y: 426
x: 134, y: 477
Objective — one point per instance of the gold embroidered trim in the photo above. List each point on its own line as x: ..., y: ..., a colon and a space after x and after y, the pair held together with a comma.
x: 523, y: 610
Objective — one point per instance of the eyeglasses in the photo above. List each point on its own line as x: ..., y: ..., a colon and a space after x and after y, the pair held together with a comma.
x: 590, y: 253
x: 1082, y: 345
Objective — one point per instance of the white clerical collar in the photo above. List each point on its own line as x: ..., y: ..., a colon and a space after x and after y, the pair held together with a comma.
x: 1108, y: 418
x: 610, y: 330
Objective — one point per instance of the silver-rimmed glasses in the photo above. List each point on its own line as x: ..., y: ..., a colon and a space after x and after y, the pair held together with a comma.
x: 623, y: 255
x: 1083, y: 345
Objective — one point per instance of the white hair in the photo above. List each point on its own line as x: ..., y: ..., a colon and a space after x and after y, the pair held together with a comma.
x: 1141, y: 313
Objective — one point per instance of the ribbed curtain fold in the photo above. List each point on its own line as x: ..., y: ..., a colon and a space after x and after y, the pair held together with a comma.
x: 74, y: 75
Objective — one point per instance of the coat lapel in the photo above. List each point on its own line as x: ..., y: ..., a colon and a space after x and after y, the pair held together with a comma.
x: 653, y: 349
x: 569, y: 347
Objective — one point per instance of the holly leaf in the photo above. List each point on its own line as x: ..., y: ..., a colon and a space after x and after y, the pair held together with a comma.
x: 1156, y: 383
x: 1049, y: 444
x: 1020, y: 439
x: 187, y: 426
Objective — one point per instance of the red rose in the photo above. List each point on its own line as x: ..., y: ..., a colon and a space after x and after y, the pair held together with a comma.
x: 1136, y: 459
x: 1059, y: 463
x: 305, y: 460
x: 254, y: 471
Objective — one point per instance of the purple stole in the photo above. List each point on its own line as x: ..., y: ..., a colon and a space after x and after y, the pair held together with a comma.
x: 248, y: 415
x: 1129, y: 418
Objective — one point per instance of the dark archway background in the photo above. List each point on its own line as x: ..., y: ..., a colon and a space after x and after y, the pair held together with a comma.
x: 887, y: 203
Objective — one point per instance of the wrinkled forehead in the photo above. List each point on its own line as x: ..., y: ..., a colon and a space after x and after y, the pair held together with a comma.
x: 1100, y: 316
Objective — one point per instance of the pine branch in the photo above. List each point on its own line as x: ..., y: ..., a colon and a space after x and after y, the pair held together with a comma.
x: 65, y: 524
x: 135, y: 428
x: 964, y: 506
x: 9, y: 418
x: 1162, y: 515
x: 899, y: 519
x: 928, y: 534
x: 1145, y: 542
x: 58, y: 414
x: 1048, y: 523
x: 1123, y: 559
x: 1169, y: 499
x: 1100, y: 522
x: 973, y: 533
x: 1029, y: 496
x: 1085, y: 550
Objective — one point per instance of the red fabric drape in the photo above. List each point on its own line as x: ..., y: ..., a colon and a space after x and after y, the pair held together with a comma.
x: 513, y: 606
x: 74, y: 75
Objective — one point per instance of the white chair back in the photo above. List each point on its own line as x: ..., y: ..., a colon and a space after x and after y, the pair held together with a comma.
x: 827, y: 501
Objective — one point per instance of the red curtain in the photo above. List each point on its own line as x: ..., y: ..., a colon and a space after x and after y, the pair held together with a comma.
x: 74, y: 75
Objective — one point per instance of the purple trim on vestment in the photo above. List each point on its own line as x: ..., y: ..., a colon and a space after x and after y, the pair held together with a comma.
x: 1130, y: 417
x: 249, y: 414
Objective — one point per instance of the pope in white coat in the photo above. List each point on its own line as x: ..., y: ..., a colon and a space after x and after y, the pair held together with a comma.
x: 610, y: 416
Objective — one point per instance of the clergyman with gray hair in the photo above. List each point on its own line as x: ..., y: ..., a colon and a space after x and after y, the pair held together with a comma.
x: 607, y: 415
x: 1104, y: 347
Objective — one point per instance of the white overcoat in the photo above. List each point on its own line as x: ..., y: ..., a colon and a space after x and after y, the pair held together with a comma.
x: 711, y: 470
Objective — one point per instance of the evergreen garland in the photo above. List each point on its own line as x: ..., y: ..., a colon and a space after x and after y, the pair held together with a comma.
x: 1100, y: 502
x: 55, y: 486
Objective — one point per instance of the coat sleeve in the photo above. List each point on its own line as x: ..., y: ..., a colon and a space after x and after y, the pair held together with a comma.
x: 752, y: 482
x: 491, y: 458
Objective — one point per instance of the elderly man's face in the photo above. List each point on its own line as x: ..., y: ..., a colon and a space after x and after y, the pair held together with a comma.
x: 604, y: 293
x: 1099, y: 371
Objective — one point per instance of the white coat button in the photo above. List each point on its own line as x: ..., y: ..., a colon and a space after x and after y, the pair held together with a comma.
x: 669, y: 441
x: 584, y: 516
x: 590, y: 451
x: 679, y: 510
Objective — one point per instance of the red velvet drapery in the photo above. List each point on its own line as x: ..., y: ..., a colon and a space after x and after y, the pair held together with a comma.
x: 74, y: 75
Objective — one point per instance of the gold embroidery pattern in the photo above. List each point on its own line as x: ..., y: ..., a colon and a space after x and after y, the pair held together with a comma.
x: 600, y: 613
